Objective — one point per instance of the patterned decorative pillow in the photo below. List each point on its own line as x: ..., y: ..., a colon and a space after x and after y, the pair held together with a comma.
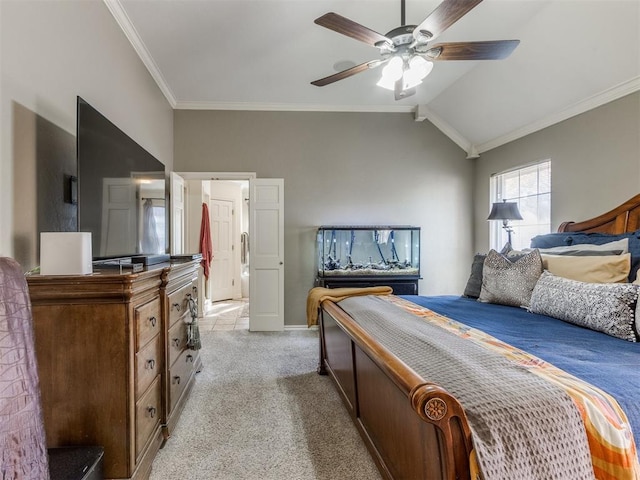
x: 606, y: 307
x: 474, y: 283
x: 510, y: 282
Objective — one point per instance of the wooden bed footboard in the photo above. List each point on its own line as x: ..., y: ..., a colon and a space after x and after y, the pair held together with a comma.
x: 413, y: 429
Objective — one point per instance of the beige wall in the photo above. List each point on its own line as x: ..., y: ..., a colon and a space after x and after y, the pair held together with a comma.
x: 595, y: 164
x: 50, y: 52
x: 344, y: 168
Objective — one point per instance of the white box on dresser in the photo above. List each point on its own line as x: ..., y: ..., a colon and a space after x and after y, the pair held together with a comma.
x: 65, y: 253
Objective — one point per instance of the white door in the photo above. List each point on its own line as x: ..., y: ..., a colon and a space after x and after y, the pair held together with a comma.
x: 221, y: 212
x: 266, y: 269
x: 176, y: 190
x: 119, y: 217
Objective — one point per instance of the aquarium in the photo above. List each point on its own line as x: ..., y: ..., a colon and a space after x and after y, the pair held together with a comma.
x: 368, y: 251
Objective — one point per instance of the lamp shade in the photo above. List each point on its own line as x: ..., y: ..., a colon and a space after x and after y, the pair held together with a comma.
x: 504, y: 211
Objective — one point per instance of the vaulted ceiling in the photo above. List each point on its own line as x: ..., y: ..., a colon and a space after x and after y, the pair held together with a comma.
x: 574, y: 55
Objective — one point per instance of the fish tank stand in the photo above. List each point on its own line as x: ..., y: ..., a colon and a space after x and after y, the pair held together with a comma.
x: 369, y: 256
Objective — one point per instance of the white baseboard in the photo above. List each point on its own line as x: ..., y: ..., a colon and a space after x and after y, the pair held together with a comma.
x: 300, y: 327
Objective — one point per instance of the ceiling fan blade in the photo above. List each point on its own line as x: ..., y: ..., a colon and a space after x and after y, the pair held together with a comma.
x: 489, y: 50
x: 347, y: 27
x: 445, y: 15
x: 347, y: 73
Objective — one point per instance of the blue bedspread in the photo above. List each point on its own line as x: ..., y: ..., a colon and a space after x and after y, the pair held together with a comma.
x: 604, y: 361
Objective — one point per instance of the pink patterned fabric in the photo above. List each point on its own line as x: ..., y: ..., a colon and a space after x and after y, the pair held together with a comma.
x: 23, y: 452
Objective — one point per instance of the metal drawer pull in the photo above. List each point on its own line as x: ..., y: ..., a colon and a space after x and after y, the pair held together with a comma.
x: 176, y: 380
x: 152, y: 411
x: 153, y: 321
x: 176, y: 342
x: 151, y: 364
x: 189, y: 358
x: 177, y: 306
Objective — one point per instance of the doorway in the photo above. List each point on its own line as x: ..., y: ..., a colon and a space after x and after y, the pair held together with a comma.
x: 228, y: 208
x: 257, y: 220
x: 227, y: 216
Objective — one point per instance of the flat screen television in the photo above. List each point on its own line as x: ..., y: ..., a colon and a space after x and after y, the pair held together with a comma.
x: 122, y: 190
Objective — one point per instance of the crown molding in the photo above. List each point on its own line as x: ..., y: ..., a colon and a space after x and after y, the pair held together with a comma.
x: 123, y: 20
x: 583, y: 106
x: 290, y: 107
x: 424, y: 112
x: 473, y: 150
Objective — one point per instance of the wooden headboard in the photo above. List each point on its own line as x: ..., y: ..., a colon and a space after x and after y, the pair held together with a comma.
x: 622, y: 219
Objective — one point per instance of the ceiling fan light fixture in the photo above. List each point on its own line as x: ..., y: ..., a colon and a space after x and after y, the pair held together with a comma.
x: 386, y: 82
x: 391, y: 73
x: 410, y: 80
x: 421, y: 66
x: 411, y: 72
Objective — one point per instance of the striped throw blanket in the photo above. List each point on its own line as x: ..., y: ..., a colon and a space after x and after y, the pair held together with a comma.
x: 541, y: 437
x: 613, y: 451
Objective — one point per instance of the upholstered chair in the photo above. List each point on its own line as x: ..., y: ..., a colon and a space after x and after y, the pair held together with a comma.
x: 23, y: 452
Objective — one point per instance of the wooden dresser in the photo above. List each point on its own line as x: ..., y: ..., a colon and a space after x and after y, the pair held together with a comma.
x: 109, y: 372
x: 181, y: 362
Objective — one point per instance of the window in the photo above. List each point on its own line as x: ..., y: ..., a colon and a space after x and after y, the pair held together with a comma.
x: 530, y: 188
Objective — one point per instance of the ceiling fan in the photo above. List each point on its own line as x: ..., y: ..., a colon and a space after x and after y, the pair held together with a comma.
x: 407, y: 52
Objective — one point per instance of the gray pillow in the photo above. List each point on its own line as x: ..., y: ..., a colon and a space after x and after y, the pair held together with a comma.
x: 510, y: 282
x: 604, y: 307
x: 474, y: 284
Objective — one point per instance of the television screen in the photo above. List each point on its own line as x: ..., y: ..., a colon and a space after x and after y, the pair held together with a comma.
x: 122, y: 196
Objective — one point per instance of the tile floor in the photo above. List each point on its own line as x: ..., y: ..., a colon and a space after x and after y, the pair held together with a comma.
x: 226, y: 315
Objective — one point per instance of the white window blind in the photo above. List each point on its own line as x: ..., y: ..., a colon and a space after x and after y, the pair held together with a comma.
x: 530, y: 188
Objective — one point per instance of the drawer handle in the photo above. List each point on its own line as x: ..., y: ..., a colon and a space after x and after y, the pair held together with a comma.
x: 152, y: 411
x: 195, y: 289
x: 176, y: 380
x: 189, y: 358
x: 176, y: 306
x: 151, y: 364
x: 153, y: 321
x: 176, y: 342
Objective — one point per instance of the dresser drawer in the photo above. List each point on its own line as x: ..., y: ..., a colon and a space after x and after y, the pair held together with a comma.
x: 180, y: 374
x: 148, y: 365
x: 148, y: 415
x: 178, y: 302
x: 177, y: 341
x: 148, y: 323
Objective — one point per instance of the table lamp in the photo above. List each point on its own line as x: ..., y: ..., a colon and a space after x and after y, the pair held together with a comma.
x: 505, y: 211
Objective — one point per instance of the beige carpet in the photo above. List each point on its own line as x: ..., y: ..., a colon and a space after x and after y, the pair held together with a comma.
x: 259, y: 411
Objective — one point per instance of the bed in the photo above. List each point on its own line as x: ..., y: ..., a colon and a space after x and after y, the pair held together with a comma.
x: 418, y: 420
